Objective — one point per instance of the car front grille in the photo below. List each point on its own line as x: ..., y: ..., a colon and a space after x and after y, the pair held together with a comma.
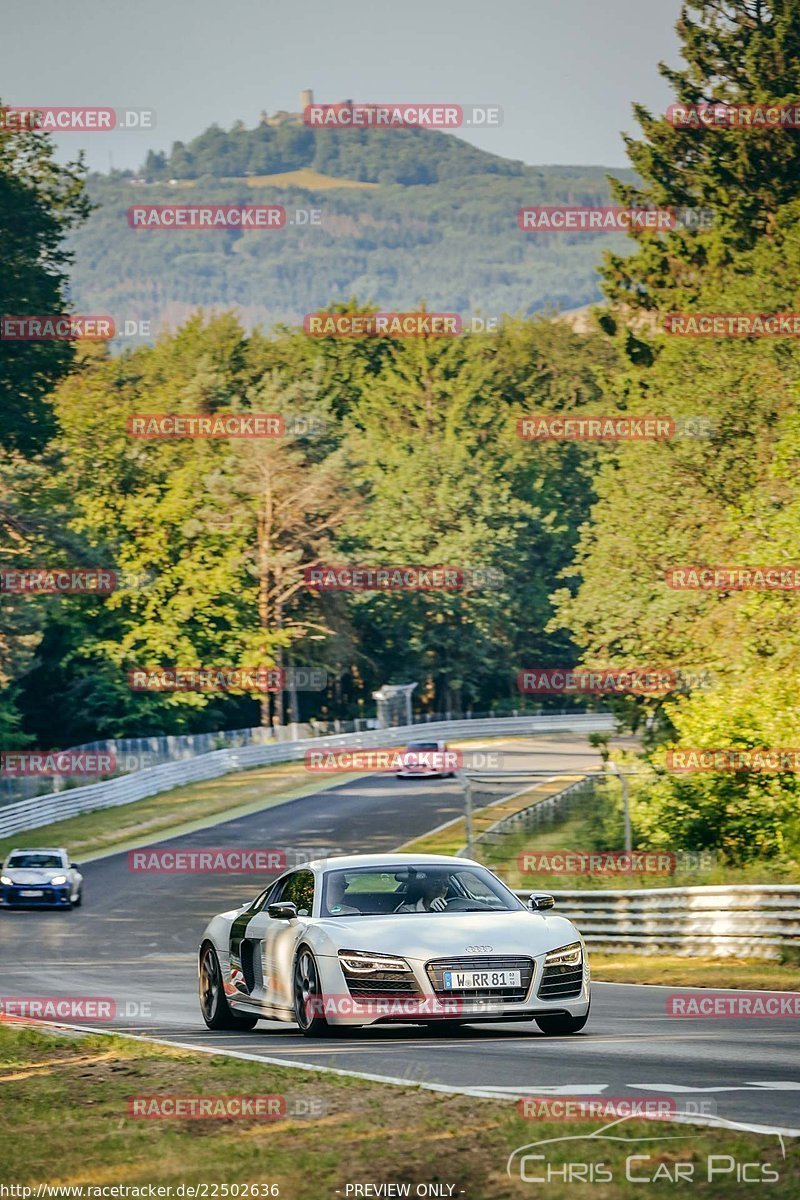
x: 560, y: 982
x: 438, y: 966
x: 381, y: 983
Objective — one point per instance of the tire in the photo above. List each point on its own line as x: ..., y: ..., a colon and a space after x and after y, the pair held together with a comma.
x: 561, y: 1024
x: 306, y: 989
x: 217, y: 1013
x: 78, y: 901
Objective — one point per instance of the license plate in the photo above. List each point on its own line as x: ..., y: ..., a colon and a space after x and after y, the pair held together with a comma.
x: 474, y: 980
x: 31, y: 892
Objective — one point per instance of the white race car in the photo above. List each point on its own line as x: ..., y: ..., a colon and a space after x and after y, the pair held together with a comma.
x: 427, y: 759
x: 363, y: 939
x: 40, y: 879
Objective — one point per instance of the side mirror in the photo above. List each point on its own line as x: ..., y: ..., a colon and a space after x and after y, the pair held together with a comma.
x: 537, y: 903
x: 282, y: 911
x: 74, y: 867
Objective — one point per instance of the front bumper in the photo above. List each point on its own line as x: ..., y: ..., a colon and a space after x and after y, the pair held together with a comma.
x: 421, y: 773
x: 414, y: 998
x: 50, y: 897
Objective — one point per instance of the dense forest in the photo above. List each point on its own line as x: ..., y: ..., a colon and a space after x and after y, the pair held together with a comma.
x: 407, y: 156
x: 435, y: 221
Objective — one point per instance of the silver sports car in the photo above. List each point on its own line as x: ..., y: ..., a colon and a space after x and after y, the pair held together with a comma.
x: 363, y: 939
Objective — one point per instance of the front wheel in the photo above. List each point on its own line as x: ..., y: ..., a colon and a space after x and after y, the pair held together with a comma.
x: 561, y: 1023
x: 308, y: 998
x: 217, y: 1013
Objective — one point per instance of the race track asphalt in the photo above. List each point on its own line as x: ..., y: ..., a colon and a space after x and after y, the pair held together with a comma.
x: 135, y: 941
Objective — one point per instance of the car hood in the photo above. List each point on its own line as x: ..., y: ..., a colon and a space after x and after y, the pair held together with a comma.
x: 34, y: 875
x: 434, y: 935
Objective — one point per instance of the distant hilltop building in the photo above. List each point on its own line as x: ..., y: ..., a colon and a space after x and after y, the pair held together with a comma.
x: 282, y: 117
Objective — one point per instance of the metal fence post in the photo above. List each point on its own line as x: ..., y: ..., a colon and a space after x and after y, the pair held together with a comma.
x: 468, y: 816
x: 626, y: 807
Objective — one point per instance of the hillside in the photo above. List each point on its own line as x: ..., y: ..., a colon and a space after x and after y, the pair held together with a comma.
x: 433, y: 219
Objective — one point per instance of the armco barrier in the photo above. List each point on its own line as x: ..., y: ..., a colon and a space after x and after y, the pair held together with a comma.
x: 744, y: 920
x: 57, y: 806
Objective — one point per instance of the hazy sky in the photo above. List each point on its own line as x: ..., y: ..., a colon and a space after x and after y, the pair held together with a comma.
x: 564, y: 71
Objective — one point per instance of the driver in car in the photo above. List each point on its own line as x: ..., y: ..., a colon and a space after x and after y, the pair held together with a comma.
x: 425, y: 895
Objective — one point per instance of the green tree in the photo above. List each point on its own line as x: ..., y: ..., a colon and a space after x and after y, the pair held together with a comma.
x: 41, y: 201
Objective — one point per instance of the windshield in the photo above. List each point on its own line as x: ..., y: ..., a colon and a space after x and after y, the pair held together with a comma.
x: 423, y: 746
x: 34, y: 861
x: 367, y: 892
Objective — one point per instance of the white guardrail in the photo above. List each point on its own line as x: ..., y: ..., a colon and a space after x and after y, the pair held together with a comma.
x: 743, y: 920
x: 57, y: 806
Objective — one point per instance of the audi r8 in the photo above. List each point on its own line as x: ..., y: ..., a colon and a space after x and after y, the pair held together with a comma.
x: 363, y: 939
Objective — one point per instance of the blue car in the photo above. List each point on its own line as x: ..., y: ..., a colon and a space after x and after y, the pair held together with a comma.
x: 40, y: 879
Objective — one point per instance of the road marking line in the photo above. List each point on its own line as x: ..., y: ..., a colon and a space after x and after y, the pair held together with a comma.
x: 480, y: 1093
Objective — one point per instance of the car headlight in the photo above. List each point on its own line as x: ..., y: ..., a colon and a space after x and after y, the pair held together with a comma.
x: 58, y: 879
x: 5, y: 879
x: 566, y: 956
x: 360, y: 962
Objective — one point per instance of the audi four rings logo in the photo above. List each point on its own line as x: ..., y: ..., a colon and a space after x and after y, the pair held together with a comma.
x: 479, y: 949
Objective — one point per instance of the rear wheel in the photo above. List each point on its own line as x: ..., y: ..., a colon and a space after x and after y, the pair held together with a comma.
x: 307, y: 991
x: 217, y: 1013
x: 561, y: 1023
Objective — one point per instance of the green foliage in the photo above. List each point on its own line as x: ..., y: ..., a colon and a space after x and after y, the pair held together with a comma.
x: 418, y: 463
x: 453, y: 243
x: 730, y: 498
x: 40, y: 201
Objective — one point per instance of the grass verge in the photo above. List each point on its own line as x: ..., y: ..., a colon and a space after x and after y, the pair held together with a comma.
x: 170, y: 813
x: 70, y: 1096
x: 706, y: 972
x: 182, y: 809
